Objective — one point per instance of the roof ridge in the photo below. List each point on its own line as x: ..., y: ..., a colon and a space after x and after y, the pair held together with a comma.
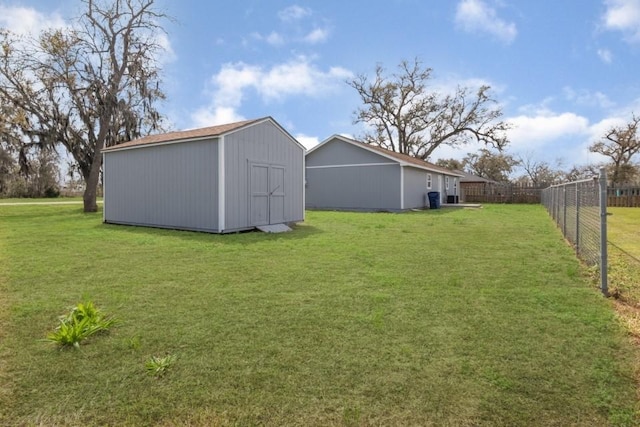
x: 401, y: 156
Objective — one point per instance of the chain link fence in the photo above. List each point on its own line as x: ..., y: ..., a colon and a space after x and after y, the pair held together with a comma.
x: 579, y: 208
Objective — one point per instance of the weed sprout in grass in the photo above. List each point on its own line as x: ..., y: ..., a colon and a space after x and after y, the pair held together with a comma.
x: 158, y: 365
x: 80, y: 323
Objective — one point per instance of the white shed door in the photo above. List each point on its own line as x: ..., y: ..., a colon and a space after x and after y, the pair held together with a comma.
x: 267, y: 194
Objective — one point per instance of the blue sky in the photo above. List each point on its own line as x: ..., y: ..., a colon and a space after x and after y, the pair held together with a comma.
x: 564, y: 71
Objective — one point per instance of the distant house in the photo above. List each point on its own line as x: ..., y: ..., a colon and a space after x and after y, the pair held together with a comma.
x: 342, y: 173
x: 474, y: 188
x: 217, y: 179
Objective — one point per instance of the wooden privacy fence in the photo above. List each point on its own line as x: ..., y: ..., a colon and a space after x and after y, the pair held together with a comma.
x: 491, y: 192
x: 626, y: 197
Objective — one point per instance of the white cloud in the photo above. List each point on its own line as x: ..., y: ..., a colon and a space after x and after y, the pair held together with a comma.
x: 297, y: 25
x: 316, y: 36
x: 294, y: 13
x: 476, y: 16
x: 586, y: 98
x: 297, y: 77
x: 597, y: 130
x: 275, y: 39
x: 624, y: 16
x: 205, y: 117
x: 307, y: 141
x: 545, y: 134
x: 23, y: 20
x: 167, y: 54
x: 550, y: 136
x: 530, y: 132
x: 605, y: 56
x: 231, y: 82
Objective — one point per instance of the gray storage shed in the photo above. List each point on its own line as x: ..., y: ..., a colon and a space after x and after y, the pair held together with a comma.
x: 342, y: 173
x: 217, y: 179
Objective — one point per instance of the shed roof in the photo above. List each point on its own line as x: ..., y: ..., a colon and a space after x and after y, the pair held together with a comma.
x: 188, y: 135
x: 403, y: 159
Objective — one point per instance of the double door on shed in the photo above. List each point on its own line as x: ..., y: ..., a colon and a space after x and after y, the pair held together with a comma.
x: 267, y: 193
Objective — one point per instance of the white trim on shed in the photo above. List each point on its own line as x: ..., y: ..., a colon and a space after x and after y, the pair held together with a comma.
x: 221, y: 186
x: 382, y: 154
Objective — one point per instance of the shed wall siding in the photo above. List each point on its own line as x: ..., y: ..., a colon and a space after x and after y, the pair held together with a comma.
x: 337, y: 152
x: 264, y: 143
x: 415, y: 187
x: 172, y: 186
x: 354, y: 188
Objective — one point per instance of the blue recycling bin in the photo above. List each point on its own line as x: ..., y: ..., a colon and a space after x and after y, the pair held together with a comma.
x: 434, y: 199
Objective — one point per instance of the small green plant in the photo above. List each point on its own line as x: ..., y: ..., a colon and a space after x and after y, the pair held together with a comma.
x: 133, y: 343
x: 158, y: 365
x: 80, y: 323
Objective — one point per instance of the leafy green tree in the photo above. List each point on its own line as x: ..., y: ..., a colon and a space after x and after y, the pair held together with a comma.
x: 86, y: 87
x: 408, y: 117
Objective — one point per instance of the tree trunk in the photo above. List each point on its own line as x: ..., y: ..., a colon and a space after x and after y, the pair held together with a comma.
x: 616, y: 173
x: 91, y: 182
x: 89, y: 199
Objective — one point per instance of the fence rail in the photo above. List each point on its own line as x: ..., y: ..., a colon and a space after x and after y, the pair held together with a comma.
x: 580, y: 210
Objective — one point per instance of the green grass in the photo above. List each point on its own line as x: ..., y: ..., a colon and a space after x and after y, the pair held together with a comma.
x: 623, y: 232
x: 624, y: 229
x: 448, y: 317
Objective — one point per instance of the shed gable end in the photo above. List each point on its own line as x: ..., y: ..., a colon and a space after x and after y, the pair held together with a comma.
x: 337, y: 152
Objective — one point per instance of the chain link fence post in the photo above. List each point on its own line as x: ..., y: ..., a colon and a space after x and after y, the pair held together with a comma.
x: 603, y: 232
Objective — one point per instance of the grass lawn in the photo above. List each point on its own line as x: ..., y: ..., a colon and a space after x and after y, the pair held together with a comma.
x: 448, y: 317
x: 623, y: 232
x: 624, y: 229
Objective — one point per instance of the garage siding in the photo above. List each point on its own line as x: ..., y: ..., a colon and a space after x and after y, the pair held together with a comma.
x: 415, y: 187
x: 264, y: 143
x: 337, y: 152
x: 354, y: 188
x: 172, y: 186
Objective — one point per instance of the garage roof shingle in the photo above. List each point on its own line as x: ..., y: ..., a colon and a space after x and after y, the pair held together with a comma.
x: 211, y: 131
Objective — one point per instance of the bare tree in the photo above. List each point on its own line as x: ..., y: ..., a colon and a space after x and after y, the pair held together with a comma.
x: 491, y: 165
x: 620, y: 144
x: 577, y: 173
x: 87, y: 87
x: 539, y: 173
x: 451, y: 164
x: 408, y: 118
